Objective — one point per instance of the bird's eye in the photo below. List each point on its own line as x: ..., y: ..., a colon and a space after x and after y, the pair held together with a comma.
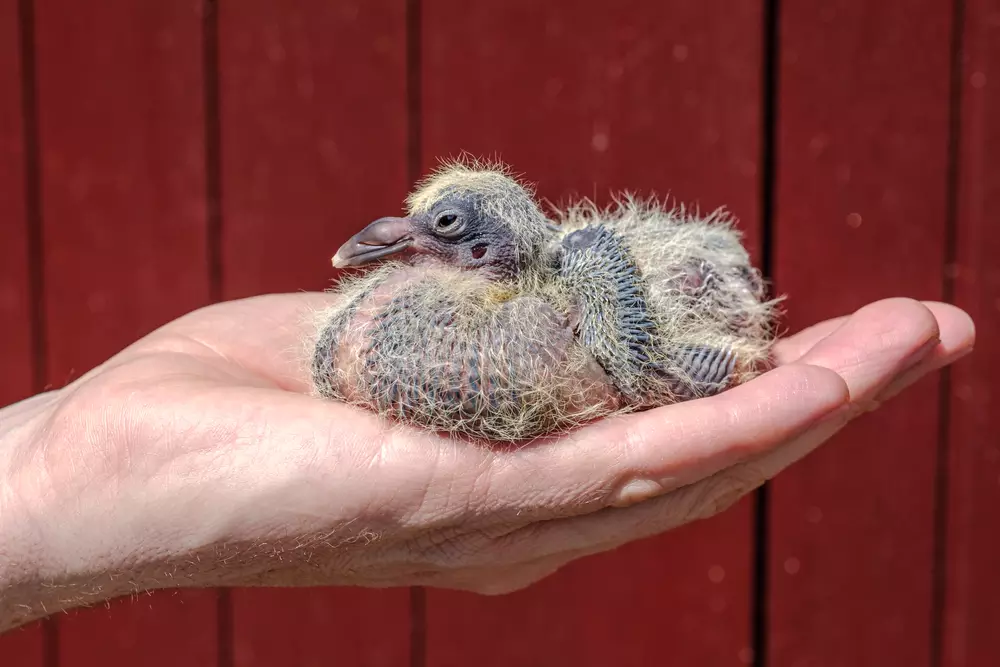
x: 448, y: 224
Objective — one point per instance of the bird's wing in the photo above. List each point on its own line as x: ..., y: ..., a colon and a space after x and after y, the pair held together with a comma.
x: 632, y: 328
x: 448, y: 351
x: 614, y: 321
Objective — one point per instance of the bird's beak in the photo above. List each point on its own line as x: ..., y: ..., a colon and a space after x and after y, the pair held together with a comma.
x: 385, y: 236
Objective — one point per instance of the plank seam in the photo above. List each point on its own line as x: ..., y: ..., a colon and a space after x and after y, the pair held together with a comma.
x: 414, y: 83
x: 213, y: 241
x: 32, y: 191
x: 213, y: 146
x: 941, y: 480
x: 760, y: 599
x: 36, y: 258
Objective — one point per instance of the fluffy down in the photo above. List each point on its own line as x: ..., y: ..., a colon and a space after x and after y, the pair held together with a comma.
x: 609, y: 311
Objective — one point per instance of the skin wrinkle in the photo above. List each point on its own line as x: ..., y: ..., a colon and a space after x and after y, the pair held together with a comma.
x: 135, y: 421
x: 420, y: 507
x: 478, y: 499
x: 539, y: 496
x: 471, y: 489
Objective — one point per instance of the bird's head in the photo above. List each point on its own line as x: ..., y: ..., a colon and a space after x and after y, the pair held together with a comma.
x: 471, y: 216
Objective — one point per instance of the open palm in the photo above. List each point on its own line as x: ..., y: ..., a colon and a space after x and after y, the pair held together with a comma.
x: 197, y: 457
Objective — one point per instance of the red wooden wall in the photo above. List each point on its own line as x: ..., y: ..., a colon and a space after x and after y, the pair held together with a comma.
x: 156, y: 156
x: 861, y: 214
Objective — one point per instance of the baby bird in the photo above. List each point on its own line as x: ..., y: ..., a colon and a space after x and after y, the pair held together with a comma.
x: 487, y: 318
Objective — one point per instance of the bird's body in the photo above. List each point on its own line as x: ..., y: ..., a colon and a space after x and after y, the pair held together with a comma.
x: 507, y: 325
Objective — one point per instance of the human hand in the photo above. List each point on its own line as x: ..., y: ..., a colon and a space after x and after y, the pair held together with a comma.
x: 196, y: 458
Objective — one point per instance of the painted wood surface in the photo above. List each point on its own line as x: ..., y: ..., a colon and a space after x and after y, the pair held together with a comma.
x: 861, y: 213
x: 314, y: 145
x: 197, y: 149
x: 972, y: 549
x: 121, y: 136
x: 652, y: 97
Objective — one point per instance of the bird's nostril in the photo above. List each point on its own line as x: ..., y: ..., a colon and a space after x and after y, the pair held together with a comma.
x: 479, y: 250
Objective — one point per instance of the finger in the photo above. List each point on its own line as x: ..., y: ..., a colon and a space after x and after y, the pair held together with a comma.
x: 878, y: 368
x: 611, y: 527
x: 628, y: 459
x: 958, y: 338
x: 790, y: 349
x: 873, y: 347
x: 875, y: 344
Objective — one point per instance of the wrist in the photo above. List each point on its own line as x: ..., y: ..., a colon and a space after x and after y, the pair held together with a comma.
x: 83, y: 519
x: 22, y: 557
x: 47, y: 553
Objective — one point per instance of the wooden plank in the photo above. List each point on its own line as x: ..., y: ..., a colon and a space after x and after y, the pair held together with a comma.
x: 123, y: 186
x: 861, y: 209
x: 314, y: 146
x: 586, y: 98
x: 23, y: 646
x: 973, y: 546
x: 314, y: 130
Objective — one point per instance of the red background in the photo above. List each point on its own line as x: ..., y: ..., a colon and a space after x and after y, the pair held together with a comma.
x: 157, y: 156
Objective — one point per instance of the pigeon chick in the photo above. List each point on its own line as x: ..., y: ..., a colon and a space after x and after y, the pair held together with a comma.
x: 482, y: 316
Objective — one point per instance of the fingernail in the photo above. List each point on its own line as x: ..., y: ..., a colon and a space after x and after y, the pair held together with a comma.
x: 636, y: 491
x: 640, y: 490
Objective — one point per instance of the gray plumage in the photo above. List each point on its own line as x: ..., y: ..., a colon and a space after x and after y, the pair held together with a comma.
x: 504, y: 324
